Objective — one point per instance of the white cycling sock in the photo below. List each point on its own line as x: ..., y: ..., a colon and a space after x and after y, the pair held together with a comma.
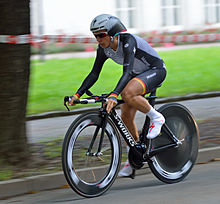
x: 153, y: 114
x: 156, y: 122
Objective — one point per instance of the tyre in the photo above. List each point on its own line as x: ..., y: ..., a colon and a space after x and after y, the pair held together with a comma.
x: 174, y: 165
x: 87, y: 173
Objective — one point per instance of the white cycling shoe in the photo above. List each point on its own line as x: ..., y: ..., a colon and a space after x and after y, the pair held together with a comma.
x: 126, y: 171
x: 155, y: 127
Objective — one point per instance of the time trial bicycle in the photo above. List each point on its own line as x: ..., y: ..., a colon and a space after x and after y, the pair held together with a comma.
x: 91, y: 153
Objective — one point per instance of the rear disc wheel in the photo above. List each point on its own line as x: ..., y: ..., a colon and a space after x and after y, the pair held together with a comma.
x: 174, y: 165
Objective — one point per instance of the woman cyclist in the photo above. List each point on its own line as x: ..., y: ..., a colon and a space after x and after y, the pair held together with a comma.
x: 143, y: 70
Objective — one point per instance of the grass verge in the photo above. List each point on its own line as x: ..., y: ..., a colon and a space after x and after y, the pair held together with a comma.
x: 188, y: 71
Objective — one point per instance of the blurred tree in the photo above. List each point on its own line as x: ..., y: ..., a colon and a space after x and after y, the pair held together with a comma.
x: 14, y: 80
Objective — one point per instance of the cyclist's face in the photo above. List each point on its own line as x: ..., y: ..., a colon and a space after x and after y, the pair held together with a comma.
x: 103, y: 38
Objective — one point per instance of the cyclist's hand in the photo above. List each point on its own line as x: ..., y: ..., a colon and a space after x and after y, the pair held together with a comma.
x: 71, y: 102
x: 111, y: 103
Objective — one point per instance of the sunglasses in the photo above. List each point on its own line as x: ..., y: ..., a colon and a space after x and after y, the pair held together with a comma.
x: 101, y: 35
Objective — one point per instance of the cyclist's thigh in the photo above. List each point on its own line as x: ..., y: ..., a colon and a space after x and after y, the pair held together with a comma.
x: 151, y: 78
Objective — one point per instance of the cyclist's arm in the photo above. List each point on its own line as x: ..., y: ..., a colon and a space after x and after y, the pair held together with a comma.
x: 94, y: 74
x: 129, y: 49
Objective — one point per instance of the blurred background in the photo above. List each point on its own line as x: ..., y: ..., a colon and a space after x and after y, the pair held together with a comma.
x: 142, y: 17
x: 58, y: 69
x: 74, y: 17
x: 192, y: 69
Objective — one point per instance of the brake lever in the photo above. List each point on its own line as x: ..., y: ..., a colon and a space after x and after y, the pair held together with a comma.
x: 66, y: 99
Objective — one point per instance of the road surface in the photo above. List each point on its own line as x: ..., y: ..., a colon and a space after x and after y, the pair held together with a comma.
x: 202, y: 186
x: 52, y: 128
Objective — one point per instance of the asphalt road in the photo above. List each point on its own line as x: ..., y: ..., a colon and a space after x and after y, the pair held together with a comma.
x: 200, y: 187
x: 51, y: 128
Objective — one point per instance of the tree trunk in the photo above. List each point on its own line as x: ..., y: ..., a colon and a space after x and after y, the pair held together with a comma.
x: 14, y: 81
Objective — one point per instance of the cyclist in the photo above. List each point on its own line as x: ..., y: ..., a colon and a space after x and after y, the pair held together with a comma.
x: 143, y: 70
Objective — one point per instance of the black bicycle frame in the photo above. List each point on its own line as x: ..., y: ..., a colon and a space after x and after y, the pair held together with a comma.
x: 128, y: 137
x: 130, y: 140
x: 125, y: 133
x: 123, y: 129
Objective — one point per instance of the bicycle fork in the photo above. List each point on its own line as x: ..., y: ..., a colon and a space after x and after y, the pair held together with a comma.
x: 103, y: 126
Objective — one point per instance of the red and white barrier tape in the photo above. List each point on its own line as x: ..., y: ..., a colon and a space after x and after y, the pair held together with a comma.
x: 16, y: 39
x: 25, y: 39
x: 184, y: 38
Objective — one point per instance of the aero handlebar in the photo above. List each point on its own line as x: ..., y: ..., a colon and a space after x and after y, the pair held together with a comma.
x: 95, y: 99
x: 91, y: 99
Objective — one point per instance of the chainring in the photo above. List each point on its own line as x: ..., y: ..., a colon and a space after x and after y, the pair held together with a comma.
x: 135, y: 162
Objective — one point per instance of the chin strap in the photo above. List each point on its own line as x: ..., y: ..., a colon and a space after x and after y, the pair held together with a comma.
x: 111, y: 39
x: 123, y: 31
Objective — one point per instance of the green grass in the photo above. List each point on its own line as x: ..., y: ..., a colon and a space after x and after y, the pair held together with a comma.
x: 5, y: 174
x: 189, y: 71
x: 53, y: 149
x: 54, y: 79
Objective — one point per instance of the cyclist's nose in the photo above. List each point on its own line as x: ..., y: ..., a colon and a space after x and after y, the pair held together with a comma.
x: 99, y: 39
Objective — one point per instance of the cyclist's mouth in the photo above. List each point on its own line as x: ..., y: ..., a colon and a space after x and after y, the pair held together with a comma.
x: 103, y: 45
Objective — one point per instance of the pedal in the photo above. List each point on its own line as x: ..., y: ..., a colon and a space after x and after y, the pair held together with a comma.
x: 133, y: 174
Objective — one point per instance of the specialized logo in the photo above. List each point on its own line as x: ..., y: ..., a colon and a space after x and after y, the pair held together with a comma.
x: 151, y: 127
x: 151, y: 75
x: 126, y: 45
x: 126, y: 64
x: 144, y: 60
x: 125, y: 131
x: 134, y: 50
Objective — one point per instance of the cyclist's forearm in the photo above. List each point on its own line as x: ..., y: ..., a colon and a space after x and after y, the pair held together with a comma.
x: 87, y: 83
x: 94, y: 74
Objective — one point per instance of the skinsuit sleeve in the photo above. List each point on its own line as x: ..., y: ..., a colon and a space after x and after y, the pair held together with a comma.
x: 129, y: 49
x: 92, y: 77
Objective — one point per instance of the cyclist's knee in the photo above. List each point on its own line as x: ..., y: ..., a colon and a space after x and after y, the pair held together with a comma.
x: 131, y: 91
x: 127, y: 95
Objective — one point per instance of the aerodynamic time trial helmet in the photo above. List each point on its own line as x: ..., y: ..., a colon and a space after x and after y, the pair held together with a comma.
x: 107, y: 22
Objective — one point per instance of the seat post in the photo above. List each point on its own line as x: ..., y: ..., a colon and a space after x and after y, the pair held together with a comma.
x: 145, y: 128
x: 152, y: 100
